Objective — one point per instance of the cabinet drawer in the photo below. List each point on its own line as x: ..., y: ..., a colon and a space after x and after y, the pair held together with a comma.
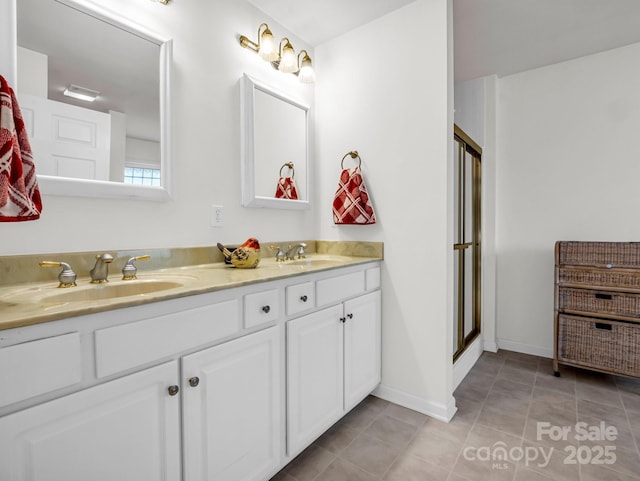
x: 614, y: 278
x: 602, y: 254
x: 261, y: 307
x: 130, y: 345
x: 300, y: 298
x: 624, y: 304
x: 37, y: 367
x: 338, y: 288
x: 601, y: 344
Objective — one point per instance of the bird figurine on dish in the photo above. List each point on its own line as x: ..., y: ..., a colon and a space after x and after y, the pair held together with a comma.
x: 246, y: 256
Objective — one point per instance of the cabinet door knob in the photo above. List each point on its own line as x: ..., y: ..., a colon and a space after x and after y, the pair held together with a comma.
x: 194, y: 381
x: 266, y: 309
x: 173, y: 390
x: 350, y: 316
x: 303, y: 298
x: 343, y: 319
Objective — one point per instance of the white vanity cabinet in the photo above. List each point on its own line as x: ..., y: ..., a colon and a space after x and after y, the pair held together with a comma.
x: 333, y: 358
x: 127, y: 429
x: 231, y: 409
x: 226, y: 385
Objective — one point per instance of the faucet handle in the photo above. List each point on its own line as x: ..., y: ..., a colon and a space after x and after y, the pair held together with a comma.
x: 130, y: 270
x: 66, y: 277
x: 301, y: 252
x: 279, y: 255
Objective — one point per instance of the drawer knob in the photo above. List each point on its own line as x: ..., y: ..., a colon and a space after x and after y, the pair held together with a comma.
x: 194, y: 381
x: 173, y: 390
x: 343, y: 319
x: 303, y: 298
x: 350, y: 316
x: 266, y: 309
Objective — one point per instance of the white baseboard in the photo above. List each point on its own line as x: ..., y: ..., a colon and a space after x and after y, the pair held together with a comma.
x: 466, y: 361
x: 525, y: 348
x: 433, y: 409
x: 491, y: 346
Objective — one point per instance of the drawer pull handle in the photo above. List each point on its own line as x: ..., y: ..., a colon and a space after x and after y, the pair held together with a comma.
x: 266, y: 309
x: 173, y: 390
x: 603, y: 327
x: 608, y: 297
x: 194, y: 381
x: 303, y: 298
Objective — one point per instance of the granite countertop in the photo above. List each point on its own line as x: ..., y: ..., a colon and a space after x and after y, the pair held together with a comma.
x: 28, y: 303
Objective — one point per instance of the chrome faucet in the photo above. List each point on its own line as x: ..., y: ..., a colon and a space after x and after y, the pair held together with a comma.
x: 296, y: 252
x: 279, y: 254
x: 67, y: 277
x: 130, y: 271
x: 100, y: 271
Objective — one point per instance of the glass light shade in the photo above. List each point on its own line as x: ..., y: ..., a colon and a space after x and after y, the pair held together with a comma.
x: 288, y: 63
x: 306, y: 73
x: 267, y: 48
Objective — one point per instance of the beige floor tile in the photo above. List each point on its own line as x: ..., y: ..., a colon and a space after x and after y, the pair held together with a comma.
x: 628, y: 385
x: 600, y: 394
x: 552, y: 428
x: 391, y: 430
x: 371, y: 454
x: 549, y: 462
x: 627, y: 462
x: 594, y: 472
x: 546, y: 400
x: 631, y: 401
x: 406, y: 415
x: 308, y: 464
x: 467, y: 409
x: 521, y: 373
x: 441, y: 450
x: 341, y: 470
x: 337, y: 438
x: 360, y: 417
x: 562, y: 383
x: 623, y: 436
x: 525, y: 474
x: 511, y: 421
x: 411, y: 468
x: 509, y: 388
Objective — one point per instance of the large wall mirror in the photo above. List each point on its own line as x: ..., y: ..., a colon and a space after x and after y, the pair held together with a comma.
x: 117, y: 145
x: 274, y: 144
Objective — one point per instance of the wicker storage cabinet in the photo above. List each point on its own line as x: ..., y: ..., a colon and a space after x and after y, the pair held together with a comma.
x: 597, y: 306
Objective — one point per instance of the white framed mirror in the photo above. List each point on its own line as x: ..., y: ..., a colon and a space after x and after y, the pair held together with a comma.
x: 79, y: 42
x: 275, y: 143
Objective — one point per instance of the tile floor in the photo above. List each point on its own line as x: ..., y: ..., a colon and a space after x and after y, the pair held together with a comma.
x: 503, y: 402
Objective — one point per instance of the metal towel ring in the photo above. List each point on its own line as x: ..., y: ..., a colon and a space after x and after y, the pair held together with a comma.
x: 353, y: 154
x: 290, y: 165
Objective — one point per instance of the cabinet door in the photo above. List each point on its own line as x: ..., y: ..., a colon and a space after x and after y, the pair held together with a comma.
x: 232, y: 413
x: 127, y: 429
x: 361, y: 348
x: 314, y: 376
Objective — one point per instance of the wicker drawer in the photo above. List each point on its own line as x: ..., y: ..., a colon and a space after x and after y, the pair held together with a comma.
x: 603, y: 254
x: 602, y: 344
x: 586, y: 276
x: 624, y: 304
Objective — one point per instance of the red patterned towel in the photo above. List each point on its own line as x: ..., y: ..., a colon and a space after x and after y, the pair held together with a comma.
x: 19, y: 194
x: 352, y: 204
x: 286, y: 189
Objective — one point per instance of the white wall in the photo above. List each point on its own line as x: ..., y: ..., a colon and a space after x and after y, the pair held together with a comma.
x: 208, y: 63
x: 567, y: 169
x: 392, y: 103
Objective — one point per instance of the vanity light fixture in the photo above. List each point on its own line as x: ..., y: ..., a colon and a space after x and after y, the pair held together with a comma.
x: 266, y: 46
x: 282, y: 58
x: 80, y: 93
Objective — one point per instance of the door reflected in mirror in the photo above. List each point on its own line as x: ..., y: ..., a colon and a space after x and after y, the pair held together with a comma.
x: 274, y: 135
x: 93, y: 147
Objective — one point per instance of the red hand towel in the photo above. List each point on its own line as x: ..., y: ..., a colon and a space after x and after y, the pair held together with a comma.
x: 351, y: 204
x: 19, y: 193
x: 286, y: 189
